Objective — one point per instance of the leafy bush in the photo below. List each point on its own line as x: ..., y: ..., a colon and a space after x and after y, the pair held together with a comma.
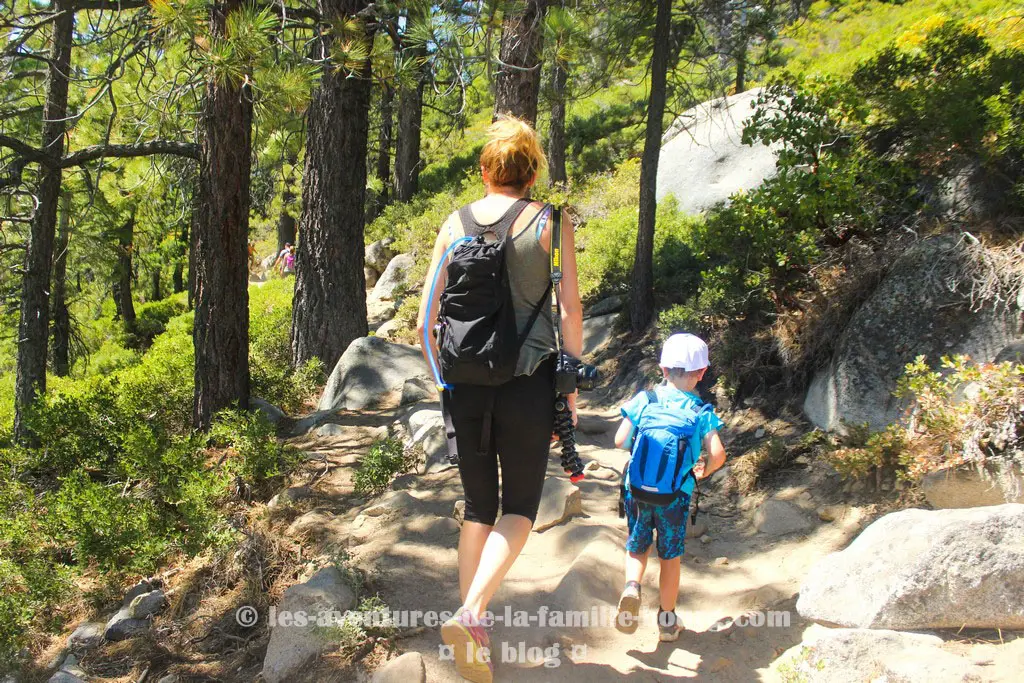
x: 151, y: 320
x: 970, y: 414
x: 386, y: 458
x: 947, y: 97
x: 270, y: 355
x: 258, y: 457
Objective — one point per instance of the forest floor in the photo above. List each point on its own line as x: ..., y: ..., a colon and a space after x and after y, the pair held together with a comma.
x: 402, y: 546
x: 407, y: 547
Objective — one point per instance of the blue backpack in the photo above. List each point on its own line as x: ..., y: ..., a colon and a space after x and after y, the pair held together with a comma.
x: 664, y: 452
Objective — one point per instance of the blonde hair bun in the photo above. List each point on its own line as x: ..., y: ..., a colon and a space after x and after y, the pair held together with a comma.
x: 512, y: 155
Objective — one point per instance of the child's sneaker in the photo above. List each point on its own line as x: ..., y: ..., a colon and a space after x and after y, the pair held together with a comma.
x: 668, y: 626
x: 470, y: 646
x: 628, y: 617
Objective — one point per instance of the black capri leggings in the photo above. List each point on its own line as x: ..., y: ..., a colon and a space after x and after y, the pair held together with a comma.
x: 522, y: 419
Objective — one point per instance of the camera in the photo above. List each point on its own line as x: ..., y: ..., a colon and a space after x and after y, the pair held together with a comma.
x: 571, y: 374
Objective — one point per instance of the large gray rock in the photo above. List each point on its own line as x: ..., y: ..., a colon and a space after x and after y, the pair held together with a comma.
x: 967, y: 487
x: 394, y: 278
x: 123, y: 626
x: 407, y: 668
x: 845, y: 655
x: 147, y: 604
x: 378, y: 254
x: 918, y: 569
x: 273, y: 414
x: 703, y: 159
x: 597, y: 332
x: 87, y: 635
x: 911, y: 313
x: 612, y: 304
x: 372, y: 373
x: 293, y: 647
x: 425, y: 427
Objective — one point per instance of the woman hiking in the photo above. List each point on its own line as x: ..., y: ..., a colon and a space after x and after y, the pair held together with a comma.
x: 508, y: 426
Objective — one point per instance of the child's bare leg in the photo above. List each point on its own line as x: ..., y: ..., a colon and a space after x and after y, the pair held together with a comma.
x: 668, y: 586
x: 636, y: 563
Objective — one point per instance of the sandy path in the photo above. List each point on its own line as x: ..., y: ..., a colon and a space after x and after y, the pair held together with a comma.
x: 411, y: 558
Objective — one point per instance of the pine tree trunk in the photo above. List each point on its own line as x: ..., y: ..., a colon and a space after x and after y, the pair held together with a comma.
x: 641, y: 294
x: 123, y: 298
x: 383, y: 171
x: 285, y: 221
x: 34, y: 318
x: 221, y: 263
x: 407, y: 151
x: 741, y: 66
x: 191, y: 235
x: 61, y: 316
x: 556, y: 134
x: 178, y: 277
x: 518, y: 78
x: 329, y: 309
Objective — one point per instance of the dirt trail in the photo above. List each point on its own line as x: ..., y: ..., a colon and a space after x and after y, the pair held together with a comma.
x: 409, y: 551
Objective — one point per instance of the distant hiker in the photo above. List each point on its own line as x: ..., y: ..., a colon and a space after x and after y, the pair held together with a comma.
x: 252, y: 257
x: 285, y: 262
x: 666, y: 429
x: 502, y: 395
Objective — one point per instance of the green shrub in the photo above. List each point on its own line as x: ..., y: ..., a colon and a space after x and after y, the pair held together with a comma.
x: 385, y: 459
x: 968, y: 414
x: 259, y: 457
x: 270, y: 356
x: 152, y: 318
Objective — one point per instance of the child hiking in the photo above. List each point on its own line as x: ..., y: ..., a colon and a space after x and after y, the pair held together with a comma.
x: 666, y: 430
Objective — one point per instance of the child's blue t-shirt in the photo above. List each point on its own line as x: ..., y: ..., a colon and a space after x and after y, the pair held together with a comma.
x: 707, y: 422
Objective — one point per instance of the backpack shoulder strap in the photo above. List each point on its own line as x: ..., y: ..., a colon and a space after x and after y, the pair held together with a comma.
x: 652, y: 396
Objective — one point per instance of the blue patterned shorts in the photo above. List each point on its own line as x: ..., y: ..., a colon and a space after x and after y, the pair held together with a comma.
x: 669, y: 521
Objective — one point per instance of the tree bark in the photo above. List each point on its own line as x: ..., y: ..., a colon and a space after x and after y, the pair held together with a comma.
x: 221, y: 258
x: 518, y: 78
x: 641, y: 294
x: 407, y: 150
x: 329, y: 309
x: 34, y: 318
x: 61, y: 315
x: 154, y: 285
x: 123, y: 275
x: 383, y: 172
x: 556, y: 134
x: 178, y: 278
x: 285, y: 221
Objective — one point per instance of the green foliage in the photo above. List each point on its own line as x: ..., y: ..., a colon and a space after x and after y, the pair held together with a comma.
x: 257, y: 457
x: 607, y: 240
x: 386, y: 458
x: 965, y: 414
x: 864, y: 453
x: 270, y: 364
x: 152, y: 318
x: 839, y: 34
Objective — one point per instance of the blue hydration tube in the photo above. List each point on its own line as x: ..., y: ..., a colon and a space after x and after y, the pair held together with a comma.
x: 441, y: 386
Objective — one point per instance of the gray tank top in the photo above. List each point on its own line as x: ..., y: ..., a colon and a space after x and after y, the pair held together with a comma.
x: 529, y: 274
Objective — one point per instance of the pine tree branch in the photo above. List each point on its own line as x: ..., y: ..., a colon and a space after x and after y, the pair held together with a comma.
x: 189, y: 150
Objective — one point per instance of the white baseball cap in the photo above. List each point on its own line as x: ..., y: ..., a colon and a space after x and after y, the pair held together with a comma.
x: 686, y: 351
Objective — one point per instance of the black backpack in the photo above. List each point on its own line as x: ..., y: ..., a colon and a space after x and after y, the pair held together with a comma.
x: 478, y: 342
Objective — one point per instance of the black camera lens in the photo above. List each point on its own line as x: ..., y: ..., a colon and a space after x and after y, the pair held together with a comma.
x: 587, y: 377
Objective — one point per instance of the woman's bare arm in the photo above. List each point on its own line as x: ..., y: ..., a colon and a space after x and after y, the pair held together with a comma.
x: 440, y: 245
